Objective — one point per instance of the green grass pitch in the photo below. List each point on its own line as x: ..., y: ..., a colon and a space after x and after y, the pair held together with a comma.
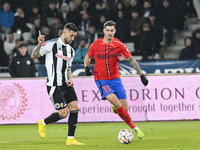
x: 172, y: 135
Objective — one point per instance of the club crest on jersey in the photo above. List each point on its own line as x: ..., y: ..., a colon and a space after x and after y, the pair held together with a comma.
x: 63, y: 57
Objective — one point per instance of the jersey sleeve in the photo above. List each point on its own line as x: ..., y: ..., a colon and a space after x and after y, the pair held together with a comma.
x: 125, y: 52
x: 91, y: 50
x: 45, y: 48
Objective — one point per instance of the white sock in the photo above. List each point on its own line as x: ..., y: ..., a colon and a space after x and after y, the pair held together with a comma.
x: 70, y: 137
x: 43, y: 122
x: 135, y: 128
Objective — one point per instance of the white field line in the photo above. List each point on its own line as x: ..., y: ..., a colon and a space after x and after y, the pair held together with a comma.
x: 16, y: 141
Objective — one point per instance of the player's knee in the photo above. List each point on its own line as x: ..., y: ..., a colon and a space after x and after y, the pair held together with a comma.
x: 63, y: 113
x: 74, y: 108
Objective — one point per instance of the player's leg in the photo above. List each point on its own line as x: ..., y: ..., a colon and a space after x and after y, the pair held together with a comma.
x: 124, y: 114
x: 124, y: 103
x: 139, y: 133
x: 123, y: 111
x: 60, y: 105
x: 73, y: 117
x: 107, y: 89
x: 120, y: 110
x: 54, y: 117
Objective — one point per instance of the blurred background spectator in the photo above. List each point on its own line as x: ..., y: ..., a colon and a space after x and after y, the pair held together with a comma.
x: 196, y: 37
x: 99, y: 26
x: 22, y: 65
x: 57, y: 24
x: 119, y: 6
x: 81, y: 51
x: 188, y: 52
x: 98, y: 11
x: 168, y: 19
x: 51, y: 13
x: 3, y: 55
x: 157, y: 31
x: 9, y: 44
x: 6, y: 18
x: 35, y: 13
x: 91, y: 35
x: 122, y: 27
x: 34, y: 32
x: 146, y: 9
x: 20, y: 22
x: 182, y: 11
x: 60, y: 31
x: 134, y: 5
x: 84, y: 23
x: 136, y: 25
x: 144, y: 42
x: 64, y: 13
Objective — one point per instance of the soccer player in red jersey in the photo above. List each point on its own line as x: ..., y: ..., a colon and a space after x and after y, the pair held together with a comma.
x: 106, y: 52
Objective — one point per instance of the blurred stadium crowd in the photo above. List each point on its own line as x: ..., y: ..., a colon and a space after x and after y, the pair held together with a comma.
x: 148, y: 24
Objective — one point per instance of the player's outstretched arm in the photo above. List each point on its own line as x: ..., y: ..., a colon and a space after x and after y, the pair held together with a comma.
x: 135, y: 65
x: 87, y: 61
x: 35, y: 53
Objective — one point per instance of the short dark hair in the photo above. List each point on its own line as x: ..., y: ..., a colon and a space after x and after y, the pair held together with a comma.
x: 21, y: 44
x: 109, y: 23
x: 71, y: 26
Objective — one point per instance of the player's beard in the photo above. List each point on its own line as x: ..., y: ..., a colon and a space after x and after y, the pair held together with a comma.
x: 66, y: 41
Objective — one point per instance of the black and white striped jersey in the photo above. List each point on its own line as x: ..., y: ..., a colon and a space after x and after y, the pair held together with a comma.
x: 58, y: 57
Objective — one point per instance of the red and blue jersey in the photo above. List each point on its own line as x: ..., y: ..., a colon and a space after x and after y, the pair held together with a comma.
x: 106, y: 57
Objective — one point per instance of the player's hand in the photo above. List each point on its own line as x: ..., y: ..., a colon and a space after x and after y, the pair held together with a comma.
x: 87, y: 71
x: 40, y: 38
x: 144, y: 79
x: 70, y: 83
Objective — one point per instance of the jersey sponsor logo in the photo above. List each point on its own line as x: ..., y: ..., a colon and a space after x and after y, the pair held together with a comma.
x: 99, y: 51
x: 106, y: 56
x: 44, y: 44
x: 63, y: 57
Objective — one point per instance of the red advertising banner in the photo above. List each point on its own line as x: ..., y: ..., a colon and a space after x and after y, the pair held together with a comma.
x: 165, y: 98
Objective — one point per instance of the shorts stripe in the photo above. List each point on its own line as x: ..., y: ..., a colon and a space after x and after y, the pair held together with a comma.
x: 100, y: 88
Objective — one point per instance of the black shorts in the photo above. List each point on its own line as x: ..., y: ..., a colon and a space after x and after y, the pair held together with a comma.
x: 61, y: 95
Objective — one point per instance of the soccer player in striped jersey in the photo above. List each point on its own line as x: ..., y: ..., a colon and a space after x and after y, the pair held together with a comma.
x: 106, y: 52
x: 59, y: 56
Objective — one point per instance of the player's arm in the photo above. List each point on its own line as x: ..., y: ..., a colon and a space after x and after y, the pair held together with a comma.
x: 35, y: 53
x: 69, y: 77
x: 135, y: 65
x: 87, y: 61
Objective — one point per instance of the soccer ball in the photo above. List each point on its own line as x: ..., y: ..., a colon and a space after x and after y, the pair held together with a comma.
x: 125, y: 136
